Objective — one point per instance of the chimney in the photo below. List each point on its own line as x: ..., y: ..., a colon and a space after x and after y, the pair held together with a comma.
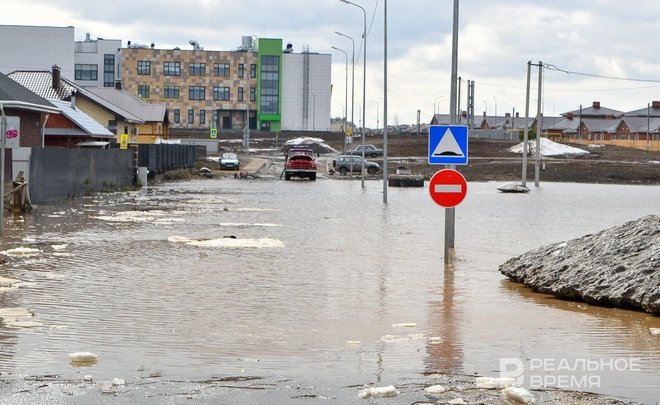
x: 507, y: 115
x: 73, y: 99
x: 655, y: 104
x: 596, y: 104
x: 56, y: 76
x: 517, y: 115
x: 569, y: 115
x: 118, y: 85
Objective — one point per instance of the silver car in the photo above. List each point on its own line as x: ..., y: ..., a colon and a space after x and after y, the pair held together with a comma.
x: 229, y: 161
x: 344, y: 163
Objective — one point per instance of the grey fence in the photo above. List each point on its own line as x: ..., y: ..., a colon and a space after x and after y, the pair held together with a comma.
x: 60, y: 173
x: 160, y: 158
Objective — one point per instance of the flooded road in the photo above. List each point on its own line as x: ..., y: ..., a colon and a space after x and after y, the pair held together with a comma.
x: 316, y: 281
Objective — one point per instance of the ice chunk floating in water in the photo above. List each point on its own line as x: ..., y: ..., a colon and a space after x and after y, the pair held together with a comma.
x: 23, y: 251
x: 229, y: 242
x: 378, y: 392
x: 83, y: 357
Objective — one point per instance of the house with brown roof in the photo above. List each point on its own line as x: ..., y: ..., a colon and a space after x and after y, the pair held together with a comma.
x: 155, y: 122
x: 51, y: 85
x: 25, y: 113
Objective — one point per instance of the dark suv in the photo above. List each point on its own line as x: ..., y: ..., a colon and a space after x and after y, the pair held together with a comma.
x: 344, y: 163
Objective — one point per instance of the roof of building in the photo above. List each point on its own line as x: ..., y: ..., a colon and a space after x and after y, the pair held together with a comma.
x: 642, y: 124
x: 651, y: 111
x: 146, y: 111
x: 600, y: 125
x: 595, y: 110
x: 82, y: 120
x: 41, y: 83
x: 14, y: 95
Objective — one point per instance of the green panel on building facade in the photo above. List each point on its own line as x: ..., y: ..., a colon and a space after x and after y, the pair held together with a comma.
x: 269, y: 81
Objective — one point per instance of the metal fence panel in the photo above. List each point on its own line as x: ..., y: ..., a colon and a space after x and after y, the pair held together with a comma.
x: 64, y: 173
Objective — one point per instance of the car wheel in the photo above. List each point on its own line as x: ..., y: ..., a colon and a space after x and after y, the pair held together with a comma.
x: 287, y: 176
x: 312, y: 177
x: 343, y: 171
x: 373, y: 155
x: 371, y: 170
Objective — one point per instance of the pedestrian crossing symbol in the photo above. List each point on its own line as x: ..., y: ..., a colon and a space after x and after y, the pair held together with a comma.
x: 448, y: 145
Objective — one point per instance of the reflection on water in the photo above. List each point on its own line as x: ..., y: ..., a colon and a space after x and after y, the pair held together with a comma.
x: 229, y: 276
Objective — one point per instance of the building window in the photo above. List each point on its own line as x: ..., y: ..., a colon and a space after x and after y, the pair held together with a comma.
x: 198, y: 69
x: 253, y: 94
x: 270, y: 85
x: 202, y: 117
x: 191, y: 116
x: 196, y: 93
x: 241, y: 70
x: 221, y: 93
x: 143, y: 91
x: 221, y: 69
x: 87, y: 72
x: 240, y: 94
x: 108, y: 70
x: 215, y: 119
x: 172, y: 68
x: 177, y: 115
x: 253, y: 70
x: 171, y: 92
x: 144, y: 67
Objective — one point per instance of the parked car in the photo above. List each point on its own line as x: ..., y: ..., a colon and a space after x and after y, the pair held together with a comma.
x: 344, y: 163
x: 230, y: 160
x: 299, y: 162
x: 369, y: 150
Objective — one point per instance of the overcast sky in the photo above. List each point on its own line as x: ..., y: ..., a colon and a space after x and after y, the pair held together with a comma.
x: 496, y: 39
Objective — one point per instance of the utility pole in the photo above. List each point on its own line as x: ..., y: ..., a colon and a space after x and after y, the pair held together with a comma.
x: 539, y: 129
x: 3, y: 134
x: 385, y: 179
x: 450, y: 213
x: 526, y: 133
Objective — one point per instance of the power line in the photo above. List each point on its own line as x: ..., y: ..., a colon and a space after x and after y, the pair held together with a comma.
x: 553, y: 67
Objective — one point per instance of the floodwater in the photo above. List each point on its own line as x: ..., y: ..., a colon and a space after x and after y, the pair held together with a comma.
x: 323, y: 283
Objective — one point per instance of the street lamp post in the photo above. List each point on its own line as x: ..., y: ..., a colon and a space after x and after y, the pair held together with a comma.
x: 495, y: 98
x: 364, y: 78
x: 434, y: 104
x: 345, y: 93
x: 352, y: 81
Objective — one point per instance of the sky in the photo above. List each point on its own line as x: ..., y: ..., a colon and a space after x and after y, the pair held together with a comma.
x: 496, y: 39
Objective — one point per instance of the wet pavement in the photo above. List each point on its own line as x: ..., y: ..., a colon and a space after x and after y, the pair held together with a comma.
x: 303, y: 288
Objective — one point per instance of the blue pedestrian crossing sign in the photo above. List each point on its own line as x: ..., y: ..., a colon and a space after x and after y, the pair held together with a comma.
x: 448, y: 145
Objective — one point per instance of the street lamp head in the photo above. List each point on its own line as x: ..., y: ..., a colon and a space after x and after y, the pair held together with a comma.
x: 345, y: 1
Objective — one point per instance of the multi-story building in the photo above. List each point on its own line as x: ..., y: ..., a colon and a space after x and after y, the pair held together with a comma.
x: 97, y: 62
x: 201, y: 89
x: 260, y: 84
x: 36, y: 48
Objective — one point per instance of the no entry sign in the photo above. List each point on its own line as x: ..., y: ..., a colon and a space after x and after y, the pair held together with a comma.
x: 448, y: 188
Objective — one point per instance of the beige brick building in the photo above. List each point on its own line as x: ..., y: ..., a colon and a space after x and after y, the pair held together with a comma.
x: 201, y: 89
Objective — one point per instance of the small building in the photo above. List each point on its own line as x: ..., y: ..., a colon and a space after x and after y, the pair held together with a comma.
x: 50, y: 85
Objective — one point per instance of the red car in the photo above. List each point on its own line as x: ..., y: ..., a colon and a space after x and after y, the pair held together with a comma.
x: 300, y: 163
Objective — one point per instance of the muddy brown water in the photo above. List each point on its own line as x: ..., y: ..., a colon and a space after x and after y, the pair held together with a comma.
x: 322, y: 283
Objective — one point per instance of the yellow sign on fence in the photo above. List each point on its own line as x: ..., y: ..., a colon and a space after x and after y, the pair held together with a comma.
x: 214, y: 133
x: 123, y: 141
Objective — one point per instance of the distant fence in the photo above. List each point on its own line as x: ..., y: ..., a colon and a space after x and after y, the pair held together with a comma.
x: 159, y: 158
x: 493, y: 134
x: 60, y: 173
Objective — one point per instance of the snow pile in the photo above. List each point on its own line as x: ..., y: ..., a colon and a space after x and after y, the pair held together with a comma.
x: 317, y: 144
x: 548, y: 148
